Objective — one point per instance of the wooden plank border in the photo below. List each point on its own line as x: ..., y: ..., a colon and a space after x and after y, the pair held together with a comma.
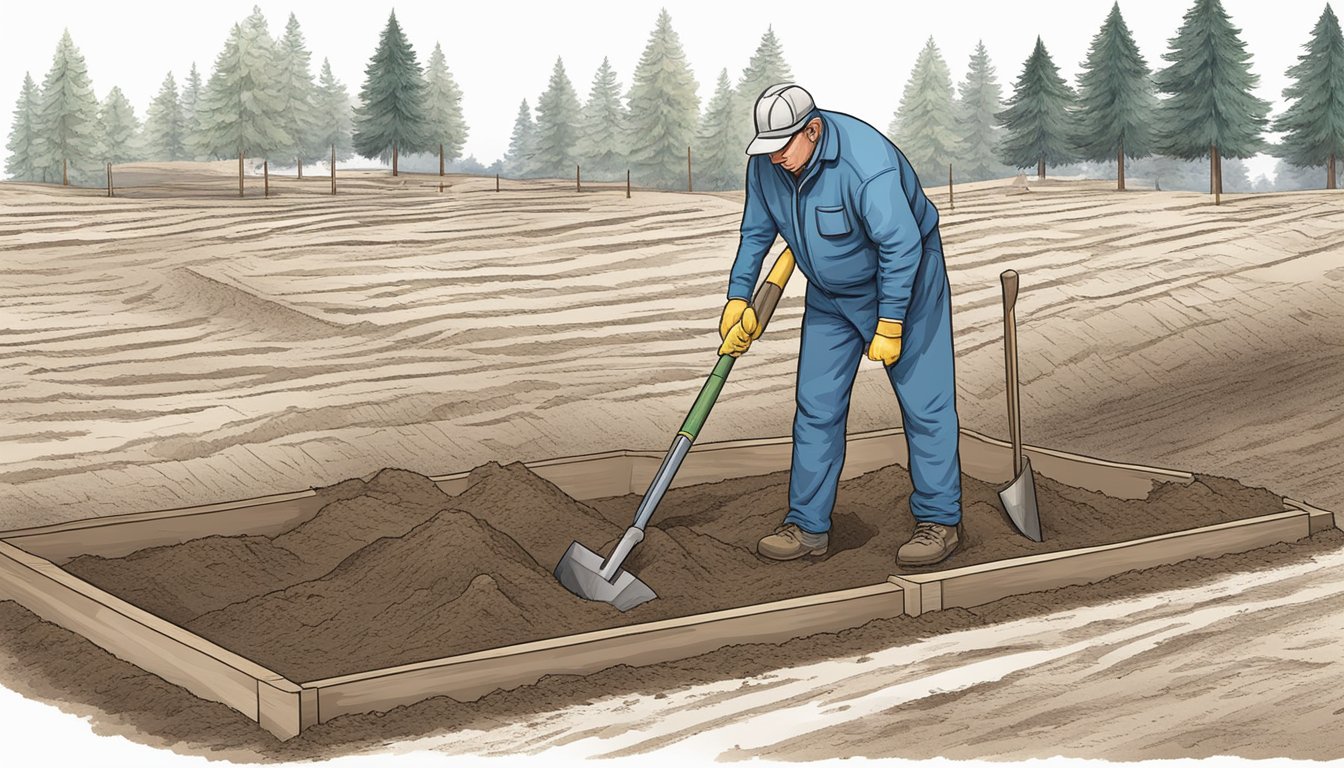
x: 470, y: 676
x: 157, y: 646
x: 979, y: 584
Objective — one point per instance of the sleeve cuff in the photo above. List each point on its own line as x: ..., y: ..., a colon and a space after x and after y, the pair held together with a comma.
x: 890, y: 311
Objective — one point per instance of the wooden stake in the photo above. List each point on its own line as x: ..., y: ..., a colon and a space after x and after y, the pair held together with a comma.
x: 65, y: 172
x: 578, y: 180
x: 627, y: 183
x: 951, y: 203
x: 689, y: 187
x: 299, y: 160
x: 240, y: 173
x: 266, y: 177
x: 394, y: 158
x: 496, y: 182
x: 440, y: 169
x: 109, y: 179
x: 333, y: 169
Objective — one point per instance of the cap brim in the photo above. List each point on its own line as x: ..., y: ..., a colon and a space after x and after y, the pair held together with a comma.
x: 760, y: 146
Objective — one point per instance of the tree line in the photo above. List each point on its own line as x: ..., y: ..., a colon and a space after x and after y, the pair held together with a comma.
x: 1199, y: 107
x: 261, y: 101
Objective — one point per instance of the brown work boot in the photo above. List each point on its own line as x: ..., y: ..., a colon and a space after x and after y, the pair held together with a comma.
x: 931, y: 544
x: 789, y: 542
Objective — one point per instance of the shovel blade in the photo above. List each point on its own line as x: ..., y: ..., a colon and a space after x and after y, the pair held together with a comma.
x: 580, y: 572
x: 1019, y: 501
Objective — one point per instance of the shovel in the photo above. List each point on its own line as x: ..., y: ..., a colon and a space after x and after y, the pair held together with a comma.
x: 590, y: 576
x: 1019, y: 497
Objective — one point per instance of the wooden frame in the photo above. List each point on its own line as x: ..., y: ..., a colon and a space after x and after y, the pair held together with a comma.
x: 30, y: 575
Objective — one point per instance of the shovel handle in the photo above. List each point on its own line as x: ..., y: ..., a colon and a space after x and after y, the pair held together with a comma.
x: 1009, y: 281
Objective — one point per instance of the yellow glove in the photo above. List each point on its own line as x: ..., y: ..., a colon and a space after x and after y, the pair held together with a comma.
x: 740, y: 336
x: 886, y: 344
x: 732, y: 314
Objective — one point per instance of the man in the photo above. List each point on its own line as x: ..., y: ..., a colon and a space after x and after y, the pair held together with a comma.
x: 848, y: 204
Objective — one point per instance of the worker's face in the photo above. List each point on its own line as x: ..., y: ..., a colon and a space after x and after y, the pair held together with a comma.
x: 798, y: 151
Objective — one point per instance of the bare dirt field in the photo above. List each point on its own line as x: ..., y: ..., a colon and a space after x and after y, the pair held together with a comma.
x: 159, y: 351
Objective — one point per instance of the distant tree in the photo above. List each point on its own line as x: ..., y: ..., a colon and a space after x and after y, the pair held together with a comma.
x: 294, y: 84
x: 334, y: 114
x: 118, y: 128
x: 722, y: 158
x: 23, y: 148
x: 443, y: 108
x: 241, y: 107
x: 1293, y: 178
x: 767, y: 67
x: 664, y: 109
x: 1209, y: 86
x: 1116, y: 103
x: 924, y: 127
x: 1170, y: 174
x: 601, y: 142
x: 1236, y: 176
x: 165, y: 135
x: 67, y: 118
x: 977, y: 129
x: 391, y: 117
x: 1262, y: 184
x: 557, y: 126
x: 190, y: 104
x: 1313, y: 125
x: 1037, y: 121
x: 518, y: 159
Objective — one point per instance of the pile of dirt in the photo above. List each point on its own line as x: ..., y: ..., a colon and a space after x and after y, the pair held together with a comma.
x: 394, y: 571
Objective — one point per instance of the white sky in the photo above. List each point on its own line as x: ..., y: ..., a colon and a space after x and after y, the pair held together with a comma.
x: 854, y: 55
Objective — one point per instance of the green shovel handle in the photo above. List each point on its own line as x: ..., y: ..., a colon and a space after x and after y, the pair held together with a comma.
x: 764, y: 303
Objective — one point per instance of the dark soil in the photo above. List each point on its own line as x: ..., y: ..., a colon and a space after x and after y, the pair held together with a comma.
x: 394, y: 571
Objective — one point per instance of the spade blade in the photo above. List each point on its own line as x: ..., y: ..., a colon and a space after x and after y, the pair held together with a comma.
x: 580, y: 572
x: 1019, y: 501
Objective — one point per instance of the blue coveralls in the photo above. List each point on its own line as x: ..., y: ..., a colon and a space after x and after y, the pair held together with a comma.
x: 866, y: 238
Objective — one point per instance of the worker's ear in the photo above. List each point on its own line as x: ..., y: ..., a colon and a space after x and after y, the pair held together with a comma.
x: 813, y: 129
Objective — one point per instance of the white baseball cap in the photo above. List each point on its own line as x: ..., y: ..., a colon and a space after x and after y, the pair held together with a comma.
x: 781, y: 111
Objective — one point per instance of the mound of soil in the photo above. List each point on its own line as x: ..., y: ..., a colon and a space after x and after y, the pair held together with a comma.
x: 394, y: 571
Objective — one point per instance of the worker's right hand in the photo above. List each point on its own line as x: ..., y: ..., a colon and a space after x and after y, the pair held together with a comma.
x: 732, y: 315
x: 739, y: 337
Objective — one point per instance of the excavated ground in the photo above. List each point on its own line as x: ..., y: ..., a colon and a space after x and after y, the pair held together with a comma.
x: 393, y: 570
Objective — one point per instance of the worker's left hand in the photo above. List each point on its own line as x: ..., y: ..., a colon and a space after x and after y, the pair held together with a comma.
x: 740, y: 336
x: 886, y: 344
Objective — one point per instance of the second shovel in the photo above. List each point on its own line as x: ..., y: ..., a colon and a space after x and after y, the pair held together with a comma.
x: 1019, y: 497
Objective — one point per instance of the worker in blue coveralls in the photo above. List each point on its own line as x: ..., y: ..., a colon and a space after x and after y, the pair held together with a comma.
x: 849, y: 206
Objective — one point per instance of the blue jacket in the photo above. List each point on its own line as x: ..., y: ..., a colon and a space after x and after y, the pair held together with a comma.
x: 856, y: 219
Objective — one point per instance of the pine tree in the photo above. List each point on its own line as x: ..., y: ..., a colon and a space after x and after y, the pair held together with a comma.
x: 67, y: 119
x: 1210, y: 105
x: 1293, y: 178
x: 334, y: 114
x: 518, y: 159
x: 117, y: 126
x: 1313, y: 125
x: 294, y: 84
x: 664, y: 109
x: 1037, y: 123
x: 165, y: 136
x: 557, y: 126
x: 924, y: 127
x: 601, y: 142
x: 391, y: 117
x: 1116, y: 102
x: 21, y: 163
x: 191, y: 120
x: 767, y: 67
x: 722, y: 162
x: 443, y: 107
x: 977, y: 129
x: 240, y: 109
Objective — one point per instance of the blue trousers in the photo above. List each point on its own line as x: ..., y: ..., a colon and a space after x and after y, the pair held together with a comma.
x: 836, y: 332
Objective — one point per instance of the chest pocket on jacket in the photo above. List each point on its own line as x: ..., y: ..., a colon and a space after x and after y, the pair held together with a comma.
x: 833, y: 221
